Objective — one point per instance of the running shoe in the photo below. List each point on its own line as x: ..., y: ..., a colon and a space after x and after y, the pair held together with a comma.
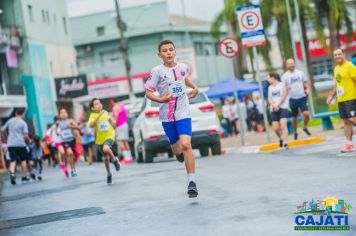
x: 349, y: 147
x: 66, y: 172
x: 39, y: 177
x: 180, y: 158
x: 192, y: 190
x: 33, y: 176
x: 281, y: 143
x: 116, y: 163
x: 295, y: 136
x: 13, y: 179
x: 109, y: 179
x: 285, y: 146
x: 306, y: 131
x: 128, y: 161
x: 25, y: 179
x: 73, y: 173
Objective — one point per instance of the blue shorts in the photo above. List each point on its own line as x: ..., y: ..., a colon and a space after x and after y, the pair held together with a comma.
x: 175, y: 128
x: 298, y: 104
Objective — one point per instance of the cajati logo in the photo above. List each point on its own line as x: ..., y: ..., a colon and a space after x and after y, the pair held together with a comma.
x: 328, y: 214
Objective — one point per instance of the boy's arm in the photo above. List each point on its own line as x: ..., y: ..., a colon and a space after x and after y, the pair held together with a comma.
x: 112, y: 121
x: 195, y: 90
x: 92, y: 122
x: 152, y: 97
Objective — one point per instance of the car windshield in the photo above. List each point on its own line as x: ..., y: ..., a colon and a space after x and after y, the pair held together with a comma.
x: 198, y: 99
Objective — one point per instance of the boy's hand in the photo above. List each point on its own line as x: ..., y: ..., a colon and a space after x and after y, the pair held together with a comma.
x: 193, y: 93
x: 166, y: 98
x: 101, y: 113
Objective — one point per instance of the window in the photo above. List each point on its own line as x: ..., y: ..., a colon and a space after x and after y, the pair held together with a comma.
x: 110, y: 58
x: 30, y: 13
x: 100, y: 30
x: 322, y: 67
x: 85, y: 62
x: 205, y: 49
x: 65, y: 25
x: 43, y: 16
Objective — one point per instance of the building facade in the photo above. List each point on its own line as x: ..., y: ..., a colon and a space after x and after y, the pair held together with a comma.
x: 45, y: 51
x: 97, y: 43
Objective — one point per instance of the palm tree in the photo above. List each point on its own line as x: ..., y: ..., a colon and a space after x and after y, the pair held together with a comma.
x: 337, y: 17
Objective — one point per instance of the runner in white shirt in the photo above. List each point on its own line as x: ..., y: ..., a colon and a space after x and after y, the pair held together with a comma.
x: 298, y: 90
x: 278, y: 101
x: 169, y: 80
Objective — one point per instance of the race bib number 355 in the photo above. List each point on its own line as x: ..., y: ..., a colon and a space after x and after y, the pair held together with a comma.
x: 177, y: 88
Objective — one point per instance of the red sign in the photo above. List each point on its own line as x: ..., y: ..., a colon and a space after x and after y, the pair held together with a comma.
x: 228, y: 47
x: 316, y: 49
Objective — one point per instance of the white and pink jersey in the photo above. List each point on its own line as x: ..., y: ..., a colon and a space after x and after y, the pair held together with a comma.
x: 164, y: 80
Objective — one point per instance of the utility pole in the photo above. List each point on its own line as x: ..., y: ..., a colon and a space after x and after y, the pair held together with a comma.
x: 124, y: 49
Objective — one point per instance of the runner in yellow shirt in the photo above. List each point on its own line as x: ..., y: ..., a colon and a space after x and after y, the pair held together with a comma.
x: 104, y: 134
x: 345, y: 89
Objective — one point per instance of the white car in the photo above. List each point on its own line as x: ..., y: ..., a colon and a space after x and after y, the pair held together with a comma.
x: 150, y: 138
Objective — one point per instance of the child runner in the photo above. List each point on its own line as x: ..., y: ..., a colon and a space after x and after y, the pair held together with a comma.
x: 88, y: 138
x: 278, y: 101
x: 104, y: 134
x: 119, y: 112
x: 64, y: 129
x: 169, y: 80
x: 37, y: 154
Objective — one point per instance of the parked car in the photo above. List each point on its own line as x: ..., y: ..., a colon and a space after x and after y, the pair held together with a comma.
x: 323, y: 82
x: 150, y: 138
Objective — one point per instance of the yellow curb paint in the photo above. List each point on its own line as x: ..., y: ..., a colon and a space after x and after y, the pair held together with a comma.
x: 294, y: 143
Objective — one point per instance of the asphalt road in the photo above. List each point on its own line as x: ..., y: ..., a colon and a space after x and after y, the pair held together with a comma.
x: 239, y: 194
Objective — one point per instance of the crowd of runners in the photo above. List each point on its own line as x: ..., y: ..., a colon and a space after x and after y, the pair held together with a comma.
x: 65, y: 139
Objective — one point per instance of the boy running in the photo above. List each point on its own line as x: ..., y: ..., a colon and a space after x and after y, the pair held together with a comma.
x: 169, y: 80
x: 65, y: 129
x: 105, y: 134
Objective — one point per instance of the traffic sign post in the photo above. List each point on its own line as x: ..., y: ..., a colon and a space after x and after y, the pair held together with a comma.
x: 253, y: 35
x: 229, y: 47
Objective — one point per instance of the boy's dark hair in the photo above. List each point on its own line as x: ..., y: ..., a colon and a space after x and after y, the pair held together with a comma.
x: 164, y: 42
x: 20, y: 111
x: 37, y: 141
x: 91, y: 103
x: 276, y: 76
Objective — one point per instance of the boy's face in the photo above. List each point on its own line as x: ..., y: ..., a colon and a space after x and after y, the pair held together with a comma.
x: 63, y: 114
x: 167, y: 53
x: 97, y: 106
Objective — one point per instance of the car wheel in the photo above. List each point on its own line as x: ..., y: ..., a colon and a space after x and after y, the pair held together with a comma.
x: 216, y: 148
x: 147, y: 155
x: 139, y: 155
x: 204, y: 151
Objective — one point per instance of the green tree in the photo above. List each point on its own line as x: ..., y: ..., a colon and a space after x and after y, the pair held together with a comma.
x: 337, y: 18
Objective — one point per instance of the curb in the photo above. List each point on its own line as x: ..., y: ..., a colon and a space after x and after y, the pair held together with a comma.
x: 294, y: 143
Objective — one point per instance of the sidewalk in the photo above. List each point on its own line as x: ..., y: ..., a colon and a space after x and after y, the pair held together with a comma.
x: 254, y: 140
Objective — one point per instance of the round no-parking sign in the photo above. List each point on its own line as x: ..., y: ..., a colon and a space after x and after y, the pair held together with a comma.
x: 228, y: 47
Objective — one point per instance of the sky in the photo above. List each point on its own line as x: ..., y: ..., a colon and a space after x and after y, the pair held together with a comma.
x: 193, y: 7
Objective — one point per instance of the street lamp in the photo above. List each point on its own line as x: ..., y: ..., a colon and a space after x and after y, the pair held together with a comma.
x: 124, y: 49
